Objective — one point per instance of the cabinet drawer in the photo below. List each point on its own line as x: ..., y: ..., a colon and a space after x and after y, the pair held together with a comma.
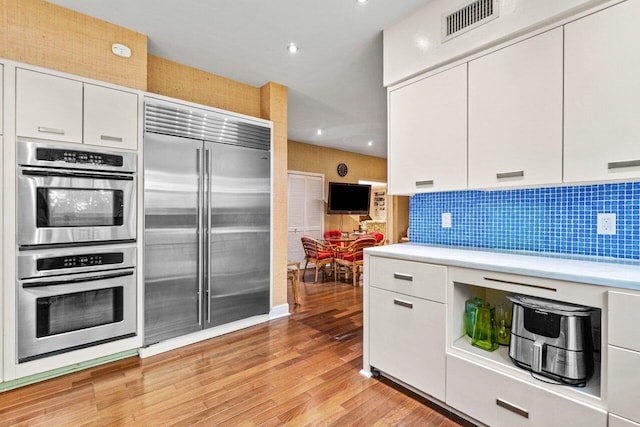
x: 408, y: 277
x: 499, y: 400
x: 407, y: 340
x: 624, y: 318
x: 624, y: 383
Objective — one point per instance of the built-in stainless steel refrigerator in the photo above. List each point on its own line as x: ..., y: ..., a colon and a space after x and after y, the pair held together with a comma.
x: 207, y: 198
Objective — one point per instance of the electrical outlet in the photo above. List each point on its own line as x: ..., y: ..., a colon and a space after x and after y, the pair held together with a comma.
x: 446, y: 220
x: 606, y: 223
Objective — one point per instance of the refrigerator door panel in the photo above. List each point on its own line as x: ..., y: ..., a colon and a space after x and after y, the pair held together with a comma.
x: 173, y: 201
x: 239, y: 234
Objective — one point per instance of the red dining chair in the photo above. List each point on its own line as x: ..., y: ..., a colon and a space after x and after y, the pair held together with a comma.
x: 351, y: 258
x: 317, y: 253
x: 333, y: 237
x: 380, y: 238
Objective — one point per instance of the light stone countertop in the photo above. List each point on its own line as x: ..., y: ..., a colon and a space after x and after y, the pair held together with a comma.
x: 589, y: 270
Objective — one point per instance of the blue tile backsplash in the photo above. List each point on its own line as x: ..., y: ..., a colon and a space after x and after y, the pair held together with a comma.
x: 554, y: 220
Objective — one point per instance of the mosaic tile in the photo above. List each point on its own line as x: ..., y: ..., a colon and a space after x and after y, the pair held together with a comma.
x: 555, y: 220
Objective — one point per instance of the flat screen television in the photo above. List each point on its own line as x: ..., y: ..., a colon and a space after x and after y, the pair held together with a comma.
x: 350, y: 199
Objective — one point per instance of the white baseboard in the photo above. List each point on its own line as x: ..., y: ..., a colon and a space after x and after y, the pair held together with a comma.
x: 279, y: 311
x: 205, y: 334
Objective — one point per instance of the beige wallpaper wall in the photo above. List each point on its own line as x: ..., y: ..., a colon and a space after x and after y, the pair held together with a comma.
x: 179, y: 81
x: 40, y: 33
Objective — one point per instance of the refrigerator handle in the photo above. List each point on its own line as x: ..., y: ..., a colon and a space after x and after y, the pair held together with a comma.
x: 208, y: 229
x: 200, y: 255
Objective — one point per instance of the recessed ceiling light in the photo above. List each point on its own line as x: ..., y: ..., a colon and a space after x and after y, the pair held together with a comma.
x: 361, y: 1
x: 370, y: 143
x: 292, y: 48
x: 319, y: 132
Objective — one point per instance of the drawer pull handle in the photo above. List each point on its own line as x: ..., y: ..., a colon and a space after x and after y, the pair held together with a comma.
x: 515, y: 174
x: 50, y: 130
x: 403, y: 303
x: 546, y: 288
x: 513, y: 408
x: 402, y: 276
x: 111, y: 138
x: 625, y: 164
x: 428, y: 182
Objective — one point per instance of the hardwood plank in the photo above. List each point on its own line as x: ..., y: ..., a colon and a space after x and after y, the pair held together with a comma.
x: 299, y: 370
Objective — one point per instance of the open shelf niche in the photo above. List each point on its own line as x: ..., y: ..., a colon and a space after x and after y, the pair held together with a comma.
x: 499, y: 359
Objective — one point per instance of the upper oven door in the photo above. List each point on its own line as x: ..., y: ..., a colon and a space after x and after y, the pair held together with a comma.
x: 63, y: 206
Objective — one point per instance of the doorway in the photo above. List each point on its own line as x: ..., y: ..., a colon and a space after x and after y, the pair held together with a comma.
x: 305, y: 211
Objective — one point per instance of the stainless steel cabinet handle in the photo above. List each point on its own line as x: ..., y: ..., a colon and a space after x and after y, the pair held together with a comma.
x: 50, y: 130
x: 207, y: 171
x: 514, y: 174
x: 200, y: 249
x: 424, y: 183
x: 402, y: 276
x: 513, y: 408
x: 110, y: 138
x: 403, y: 303
x: 625, y: 164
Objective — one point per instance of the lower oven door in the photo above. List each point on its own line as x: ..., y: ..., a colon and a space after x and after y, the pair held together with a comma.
x: 64, y: 313
x: 59, y: 206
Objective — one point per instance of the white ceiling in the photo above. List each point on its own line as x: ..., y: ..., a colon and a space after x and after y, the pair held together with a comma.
x: 334, y: 81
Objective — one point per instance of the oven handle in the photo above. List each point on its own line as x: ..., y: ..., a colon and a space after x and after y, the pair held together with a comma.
x: 76, y: 280
x: 69, y: 174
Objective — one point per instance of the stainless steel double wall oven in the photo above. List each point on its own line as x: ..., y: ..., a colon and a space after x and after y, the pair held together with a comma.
x: 76, y: 237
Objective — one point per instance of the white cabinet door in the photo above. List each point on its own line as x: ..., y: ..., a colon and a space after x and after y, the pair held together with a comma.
x: 624, y: 383
x: 624, y: 318
x: 515, y: 114
x: 110, y: 117
x: 602, y: 112
x: 428, y: 134
x: 48, y: 107
x: 407, y: 340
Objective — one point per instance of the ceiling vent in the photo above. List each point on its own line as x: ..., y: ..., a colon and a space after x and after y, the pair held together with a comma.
x: 467, y: 18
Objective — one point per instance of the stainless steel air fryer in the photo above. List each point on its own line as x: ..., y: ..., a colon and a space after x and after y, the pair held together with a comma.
x: 552, y: 339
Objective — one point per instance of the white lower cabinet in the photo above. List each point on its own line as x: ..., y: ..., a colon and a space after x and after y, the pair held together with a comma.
x: 413, y: 353
x: 624, y: 383
x: 496, y: 399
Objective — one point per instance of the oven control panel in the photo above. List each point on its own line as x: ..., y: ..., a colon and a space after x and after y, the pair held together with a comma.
x: 55, y: 263
x: 81, y: 157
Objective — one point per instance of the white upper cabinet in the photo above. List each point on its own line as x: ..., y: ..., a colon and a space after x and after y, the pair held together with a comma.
x: 48, y: 107
x: 60, y: 109
x: 602, y: 111
x: 110, y: 117
x: 515, y: 114
x: 428, y: 134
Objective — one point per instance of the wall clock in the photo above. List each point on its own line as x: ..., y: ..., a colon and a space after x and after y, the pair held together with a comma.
x: 342, y: 169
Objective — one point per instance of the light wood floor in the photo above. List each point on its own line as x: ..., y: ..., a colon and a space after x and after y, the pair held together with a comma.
x: 299, y: 370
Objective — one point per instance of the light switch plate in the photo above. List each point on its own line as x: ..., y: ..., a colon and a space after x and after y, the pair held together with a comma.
x: 606, y: 223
